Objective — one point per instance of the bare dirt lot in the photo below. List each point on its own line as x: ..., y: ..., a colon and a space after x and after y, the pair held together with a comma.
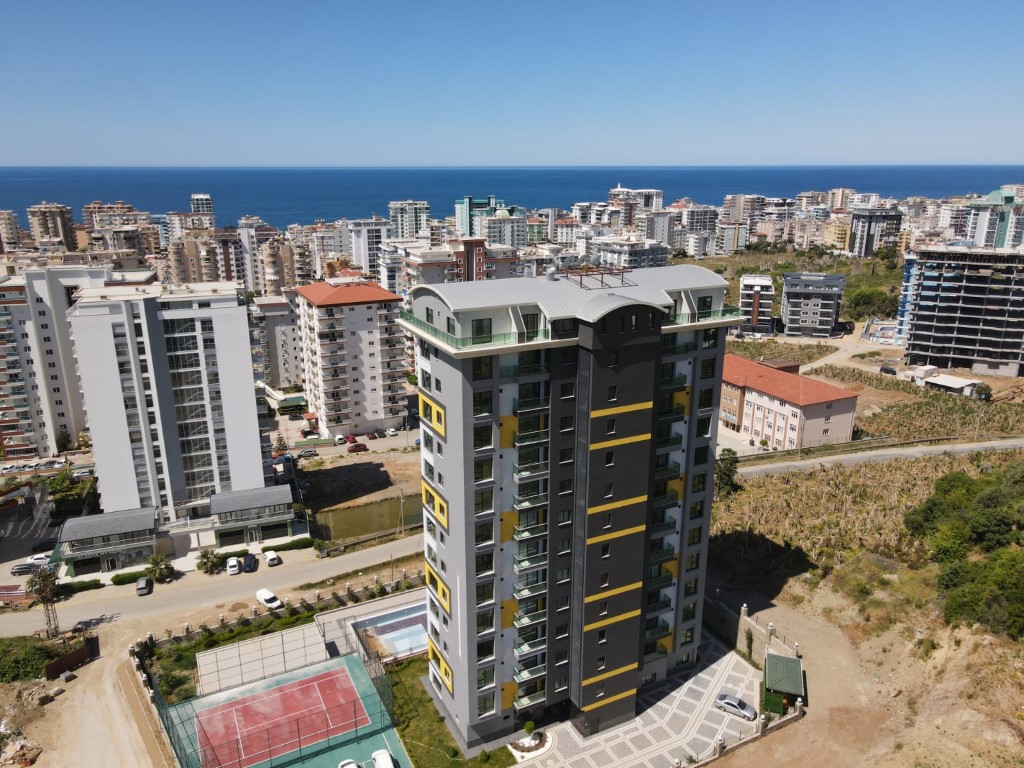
x: 344, y: 481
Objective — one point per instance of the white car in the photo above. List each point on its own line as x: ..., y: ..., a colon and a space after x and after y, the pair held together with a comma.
x: 82, y: 473
x: 41, y: 559
x: 382, y: 759
x: 233, y: 566
x: 272, y: 558
x: 348, y: 764
x: 391, y: 432
x: 269, y: 599
x: 10, y: 468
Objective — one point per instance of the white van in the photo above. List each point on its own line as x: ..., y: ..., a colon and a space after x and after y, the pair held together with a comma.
x: 382, y: 759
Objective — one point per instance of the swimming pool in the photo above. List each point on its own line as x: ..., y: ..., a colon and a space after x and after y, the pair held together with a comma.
x: 400, y: 632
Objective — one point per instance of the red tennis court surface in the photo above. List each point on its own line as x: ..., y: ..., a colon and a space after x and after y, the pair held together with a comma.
x: 263, y: 725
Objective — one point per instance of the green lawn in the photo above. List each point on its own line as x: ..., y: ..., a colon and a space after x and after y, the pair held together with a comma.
x: 421, y: 727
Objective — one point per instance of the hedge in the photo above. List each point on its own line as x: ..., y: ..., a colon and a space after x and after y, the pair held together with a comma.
x: 130, y: 577
x: 239, y: 553
x: 304, y: 543
x: 74, y: 587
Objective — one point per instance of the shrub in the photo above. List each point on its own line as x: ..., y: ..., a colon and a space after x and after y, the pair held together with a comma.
x: 74, y: 587
x: 23, y: 658
x: 304, y: 543
x: 128, y: 577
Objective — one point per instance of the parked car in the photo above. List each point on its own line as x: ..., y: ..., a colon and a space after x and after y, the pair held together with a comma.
x: 736, y: 706
x: 24, y: 569
x: 46, y: 545
x: 350, y: 439
x: 10, y: 468
x: 233, y: 566
x: 382, y: 759
x: 294, y: 417
x: 269, y: 599
x: 143, y: 586
x: 307, y: 453
x: 358, y: 448
x: 391, y: 432
x: 41, y: 559
x: 348, y: 764
x: 272, y: 558
x: 888, y: 370
x: 371, y: 435
x: 82, y: 473
x: 309, y: 433
x: 250, y: 563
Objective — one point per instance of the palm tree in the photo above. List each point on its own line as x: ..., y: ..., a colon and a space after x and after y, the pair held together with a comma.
x: 207, y: 561
x: 159, y: 568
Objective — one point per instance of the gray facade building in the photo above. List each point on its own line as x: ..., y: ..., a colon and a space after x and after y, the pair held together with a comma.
x: 568, y: 424
x: 874, y: 228
x: 964, y: 308
x: 810, y: 302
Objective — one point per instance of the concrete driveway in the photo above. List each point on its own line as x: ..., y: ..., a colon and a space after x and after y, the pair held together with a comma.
x: 677, y: 721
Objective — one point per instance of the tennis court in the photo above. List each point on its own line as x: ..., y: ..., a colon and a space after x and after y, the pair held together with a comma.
x: 261, y: 726
x: 301, y: 716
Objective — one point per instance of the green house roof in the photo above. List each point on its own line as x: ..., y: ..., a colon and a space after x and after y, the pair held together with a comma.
x: 784, y: 674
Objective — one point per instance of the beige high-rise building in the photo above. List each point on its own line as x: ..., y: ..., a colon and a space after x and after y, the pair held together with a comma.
x: 52, y: 226
x: 285, y: 265
x: 9, y: 231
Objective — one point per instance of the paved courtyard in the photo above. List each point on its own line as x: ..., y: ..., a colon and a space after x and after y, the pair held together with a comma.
x: 679, y: 720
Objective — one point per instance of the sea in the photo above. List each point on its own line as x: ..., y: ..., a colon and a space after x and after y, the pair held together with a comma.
x: 283, y: 196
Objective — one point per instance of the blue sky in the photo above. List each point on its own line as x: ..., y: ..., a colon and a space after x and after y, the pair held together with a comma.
x: 683, y: 82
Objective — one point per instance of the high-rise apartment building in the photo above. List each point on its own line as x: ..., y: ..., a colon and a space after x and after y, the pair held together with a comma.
x: 568, y: 425
x: 839, y: 198
x: 629, y: 251
x: 285, y: 265
x: 201, y: 203
x: 810, y: 302
x: 167, y: 383
x: 90, y: 211
x: 467, y: 209
x: 10, y: 232
x: 730, y: 236
x: 52, y: 226
x: 874, y: 228
x: 253, y: 232
x: 503, y: 228
x: 996, y: 220
x: 353, y: 356
x: 408, y: 217
x: 962, y: 307
x: 275, y: 322
x: 366, y: 235
x: 757, y: 295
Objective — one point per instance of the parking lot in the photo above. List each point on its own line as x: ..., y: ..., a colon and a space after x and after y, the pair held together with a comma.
x: 679, y: 721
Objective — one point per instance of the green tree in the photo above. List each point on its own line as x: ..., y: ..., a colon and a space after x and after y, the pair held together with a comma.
x: 159, y: 568
x: 280, y: 446
x: 63, y: 441
x: 983, y: 392
x: 726, y: 468
x: 207, y: 561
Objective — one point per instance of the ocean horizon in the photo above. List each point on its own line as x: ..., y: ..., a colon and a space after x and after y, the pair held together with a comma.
x: 301, y: 195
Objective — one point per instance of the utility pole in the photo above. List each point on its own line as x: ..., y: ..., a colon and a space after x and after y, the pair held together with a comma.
x: 44, y: 586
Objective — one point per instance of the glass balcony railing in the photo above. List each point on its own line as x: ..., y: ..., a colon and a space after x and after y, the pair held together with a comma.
x: 665, y: 501
x: 529, y: 470
x: 657, y: 632
x: 666, y: 525
x: 462, y: 342
x: 520, y: 619
x: 515, y: 371
x: 669, y: 470
x: 650, y: 658
x: 529, y: 647
x: 679, y: 349
x: 675, y: 412
x: 525, y: 674
x: 531, y: 500
x: 520, y: 439
x: 523, y: 591
x: 522, y: 563
x: 688, y: 318
x: 665, y: 442
x: 661, y: 605
x: 661, y: 555
x: 529, y: 404
x: 672, y: 381
x: 529, y: 700
x: 529, y: 531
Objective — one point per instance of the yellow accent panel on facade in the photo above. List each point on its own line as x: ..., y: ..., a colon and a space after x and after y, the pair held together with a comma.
x: 508, y: 612
x: 620, y: 441
x: 508, y: 525
x: 666, y: 642
x: 612, y: 620
x: 616, y: 534
x: 611, y: 592
x: 622, y: 409
x: 446, y: 672
x: 439, y: 588
x: 675, y: 485
x: 433, y: 501
x: 672, y: 566
x: 609, y: 700
x: 434, y: 414
x: 616, y: 505
x: 611, y: 673
x: 507, y: 431
x: 508, y: 695
x: 682, y: 397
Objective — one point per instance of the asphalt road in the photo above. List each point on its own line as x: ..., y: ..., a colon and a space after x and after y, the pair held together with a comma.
x: 882, y: 454
x: 171, y: 604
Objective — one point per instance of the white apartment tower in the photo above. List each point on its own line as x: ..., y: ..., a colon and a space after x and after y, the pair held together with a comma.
x: 201, y: 203
x: 408, y: 217
x: 757, y: 294
x: 366, y: 235
x: 167, y: 382
x: 52, y: 226
x: 353, y: 356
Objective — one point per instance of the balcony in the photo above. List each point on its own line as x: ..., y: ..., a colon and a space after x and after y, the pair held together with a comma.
x: 534, y: 500
x: 667, y: 442
x: 656, y: 633
x: 668, y: 500
x: 669, y: 470
x: 523, y: 563
x: 464, y: 342
x: 530, y: 404
x: 661, y: 555
x: 529, y: 700
x: 530, y: 470
x: 688, y: 318
x: 657, y: 607
x: 520, y: 619
x: 526, y: 674
x: 519, y: 439
x: 679, y: 349
x: 515, y: 371
x: 530, y: 647
x: 669, y: 382
x: 523, y: 591
x: 666, y: 525
x: 519, y: 533
x: 675, y: 412
x: 650, y: 658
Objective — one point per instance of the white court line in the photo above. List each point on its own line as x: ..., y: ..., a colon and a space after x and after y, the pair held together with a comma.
x: 327, y: 715
x: 270, y: 693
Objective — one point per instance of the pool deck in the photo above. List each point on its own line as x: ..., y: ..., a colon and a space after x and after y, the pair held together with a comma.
x: 338, y: 625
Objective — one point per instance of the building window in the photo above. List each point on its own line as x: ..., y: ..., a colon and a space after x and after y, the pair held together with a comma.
x: 604, y: 580
x: 562, y: 604
x: 561, y: 631
x: 484, y: 677
x: 602, y: 636
x: 450, y: 324
x: 484, y: 622
x: 483, y: 368
x: 430, y: 315
x: 482, y: 436
x: 482, y: 331
x: 565, y: 423
x: 700, y: 455
x: 604, y: 608
x: 564, y: 455
x: 569, y: 355
x: 600, y: 662
x: 485, y: 650
x: 613, y: 394
x: 484, y: 532
x: 697, y: 509
x: 483, y: 469
x: 613, y: 359
x: 606, y: 550
x: 483, y: 501
x: 485, y: 562
x: 562, y: 575
x: 704, y: 427
x: 567, y: 389
x: 485, y: 705
x: 610, y: 427
x: 565, y: 485
x: 693, y: 536
x: 698, y: 483
x: 706, y: 398
x: 609, y: 461
x: 824, y: 432
x: 707, y: 368
x: 482, y: 403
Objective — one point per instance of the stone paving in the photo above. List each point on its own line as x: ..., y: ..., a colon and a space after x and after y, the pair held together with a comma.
x: 678, y: 721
